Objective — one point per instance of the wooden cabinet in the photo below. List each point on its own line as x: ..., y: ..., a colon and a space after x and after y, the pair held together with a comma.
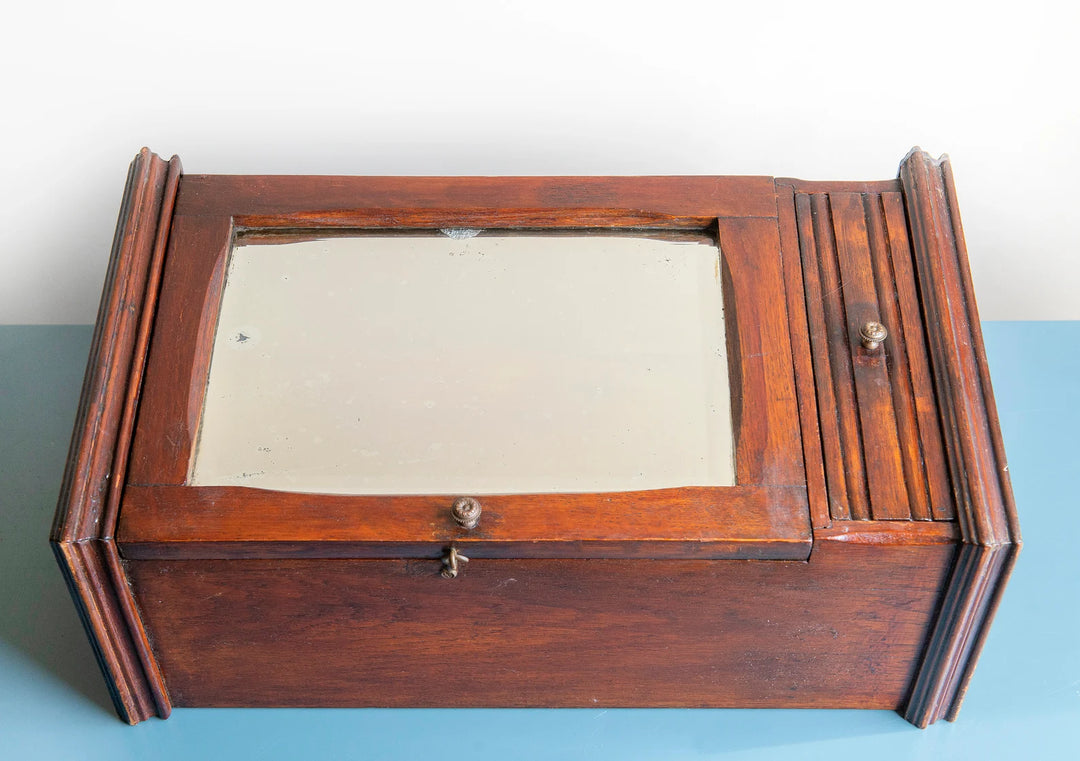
x: 731, y: 441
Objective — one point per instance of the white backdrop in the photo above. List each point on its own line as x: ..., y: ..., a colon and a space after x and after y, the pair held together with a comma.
x: 812, y: 90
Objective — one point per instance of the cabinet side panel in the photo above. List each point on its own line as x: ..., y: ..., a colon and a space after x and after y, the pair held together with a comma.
x: 82, y: 534
x: 845, y: 629
x: 972, y: 437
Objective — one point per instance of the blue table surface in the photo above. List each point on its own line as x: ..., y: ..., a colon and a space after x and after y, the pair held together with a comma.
x: 1024, y: 700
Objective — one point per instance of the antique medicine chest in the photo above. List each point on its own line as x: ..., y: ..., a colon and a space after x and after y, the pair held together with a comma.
x: 588, y: 441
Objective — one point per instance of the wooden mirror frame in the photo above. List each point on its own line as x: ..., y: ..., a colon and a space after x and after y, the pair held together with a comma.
x: 765, y: 516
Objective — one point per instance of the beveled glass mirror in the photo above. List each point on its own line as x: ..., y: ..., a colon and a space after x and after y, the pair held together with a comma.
x: 469, y: 361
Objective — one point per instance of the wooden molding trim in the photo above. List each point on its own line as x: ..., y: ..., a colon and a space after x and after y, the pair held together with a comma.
x: 976, y: 458
x: 369, y: 201
x: 799, y: 329
x: 83, y: 531
x: 199, y: 522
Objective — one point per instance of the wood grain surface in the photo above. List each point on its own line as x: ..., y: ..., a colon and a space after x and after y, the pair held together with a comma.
x: 82, y: 534
x: 301, y: 201
x: 912, y: 351
x: 233, y: 521
x: 881, y: 435
x: 972, y: 434
x: 747, y: 521
x: 846, y: 629
x: 802, y: 361
x: 857, y: 563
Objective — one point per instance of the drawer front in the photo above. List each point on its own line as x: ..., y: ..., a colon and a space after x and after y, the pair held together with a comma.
x: 846, y: 630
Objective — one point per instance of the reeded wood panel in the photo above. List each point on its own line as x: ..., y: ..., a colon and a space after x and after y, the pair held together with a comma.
x: 880, y: 431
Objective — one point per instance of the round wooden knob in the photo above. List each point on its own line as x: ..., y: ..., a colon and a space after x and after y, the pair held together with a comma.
x: 466, y: 512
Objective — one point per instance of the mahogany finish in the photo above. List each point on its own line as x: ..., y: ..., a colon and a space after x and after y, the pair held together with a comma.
x: 397, y: 202
x: 236, y: 521
x: 857, y: 563
x: 844, y: 630
x: 980, y: 473
x: 857, y: 267
x: 83, y: 532
x: 802, y: 361
x: 765, y: 411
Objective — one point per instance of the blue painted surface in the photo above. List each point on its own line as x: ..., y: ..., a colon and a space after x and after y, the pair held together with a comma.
x: 1024, y: 700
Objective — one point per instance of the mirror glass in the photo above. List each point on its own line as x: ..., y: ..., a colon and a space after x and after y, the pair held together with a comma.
x: 469, y: 362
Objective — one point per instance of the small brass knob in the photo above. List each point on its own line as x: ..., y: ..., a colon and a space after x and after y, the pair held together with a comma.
x: 466, y: 512
x: 872, y: 335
